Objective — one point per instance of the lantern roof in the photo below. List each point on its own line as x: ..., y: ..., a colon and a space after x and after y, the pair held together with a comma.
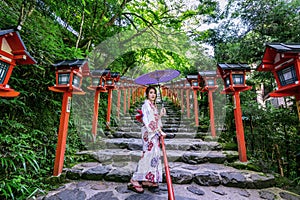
x: 115, y: 74
x: 192, y: 76
x: 272, y: 54
x: 234, y: 67
x: 208, y: 73
x: 97, y: 72
x: 224, y: 67
x: 16, y: 46
x: 71, y: 63
x: 281, y: 47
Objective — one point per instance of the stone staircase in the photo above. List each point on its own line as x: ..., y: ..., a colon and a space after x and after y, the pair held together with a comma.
x: 197, y: 166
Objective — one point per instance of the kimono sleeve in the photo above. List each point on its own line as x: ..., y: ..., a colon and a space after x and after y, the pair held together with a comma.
x: 147, y: 116
x: 160, y: 125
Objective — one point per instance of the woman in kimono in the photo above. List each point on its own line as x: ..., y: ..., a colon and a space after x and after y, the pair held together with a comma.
x: 149, y: 169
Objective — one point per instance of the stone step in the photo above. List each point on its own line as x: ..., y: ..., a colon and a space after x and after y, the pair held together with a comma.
x: 171, y: 144
x: 191, y: 157
x: 103, y: 190
x: 165, y: 122
x: 171, y: 116
x: 207, y: 174
x: 136, y: 128
x: 188, y: 135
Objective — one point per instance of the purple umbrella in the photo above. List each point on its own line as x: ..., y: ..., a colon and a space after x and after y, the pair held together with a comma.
x: 157, y: 76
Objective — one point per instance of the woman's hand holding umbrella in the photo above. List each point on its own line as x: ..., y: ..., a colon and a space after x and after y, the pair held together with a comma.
x: 162, y: 112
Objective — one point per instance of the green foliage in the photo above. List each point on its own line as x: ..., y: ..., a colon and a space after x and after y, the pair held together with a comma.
x: 250, y: 25
x: 229, y: 146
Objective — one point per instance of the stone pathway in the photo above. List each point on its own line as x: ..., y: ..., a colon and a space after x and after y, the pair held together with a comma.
x: 103, y: 190
x: 196, y: 165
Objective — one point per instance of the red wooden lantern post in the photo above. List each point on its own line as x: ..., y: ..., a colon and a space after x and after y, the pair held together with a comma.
x: 166, y: 88
x: 12, y: 52
x: 68, y: 81
x: 176, y: 88
x: 119, y: 87
x: 98, y: 84
x: 129, y: 90
x: 187, y: 94
x: 210, y: 87
x: 283, y: 60
x: 181, y: 86
x: 234, y: 83
x: 124, y: 80
x: 134, y: 92
x: 195, y: 82
x: 178, y: 93
x: 111, y: 79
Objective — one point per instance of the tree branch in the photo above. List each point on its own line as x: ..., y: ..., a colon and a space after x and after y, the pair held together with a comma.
x: 131, y: 21
x: 113, y: 19
x: 146, y: 21
x: 25, y: 13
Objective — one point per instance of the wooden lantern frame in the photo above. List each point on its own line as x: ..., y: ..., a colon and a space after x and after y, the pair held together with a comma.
x: 280, y: 58
x: 12, y: 52
x: 100, y: 77
x: 72, y: 69
x: 227, y: 73
x: 208, y: 76
x: 114, y: 77
x: 195, y: 78
x: 277, y: 58
x: 192, y: 79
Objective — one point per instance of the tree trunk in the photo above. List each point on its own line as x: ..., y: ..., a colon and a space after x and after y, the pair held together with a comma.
x: 80, y: 31
x: 279, y: 160
x: 287, y: 151
x: 24, y: 12
x: 252, y: 134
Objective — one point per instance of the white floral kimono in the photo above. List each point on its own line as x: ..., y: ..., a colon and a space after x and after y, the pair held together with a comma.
x: 149, y: 167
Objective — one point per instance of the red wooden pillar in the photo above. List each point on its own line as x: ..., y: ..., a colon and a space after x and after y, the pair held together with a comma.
x: 133, y: 95
x: 128, y: 96
x: 239, y: 128
x: 68, y: 80
x: 298, y: 104
x: 95, y: 115
x: 181, y: 99
x: 211, y: 113
x: 164, y: 91
x: 109, y: 101
x: 62, y: 134
x: 234, y: 77
x: 196, y: 107
x: 142, y: 92
x: 124, y: 103
x: 119, y: 103
x: 174, y: 96
x: 188, y: 113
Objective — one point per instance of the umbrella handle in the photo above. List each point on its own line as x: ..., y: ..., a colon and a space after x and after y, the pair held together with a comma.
x: 161, y: 98
x: 168, y: 177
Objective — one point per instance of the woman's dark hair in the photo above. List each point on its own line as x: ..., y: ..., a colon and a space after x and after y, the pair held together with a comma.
x: 148, y: 90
